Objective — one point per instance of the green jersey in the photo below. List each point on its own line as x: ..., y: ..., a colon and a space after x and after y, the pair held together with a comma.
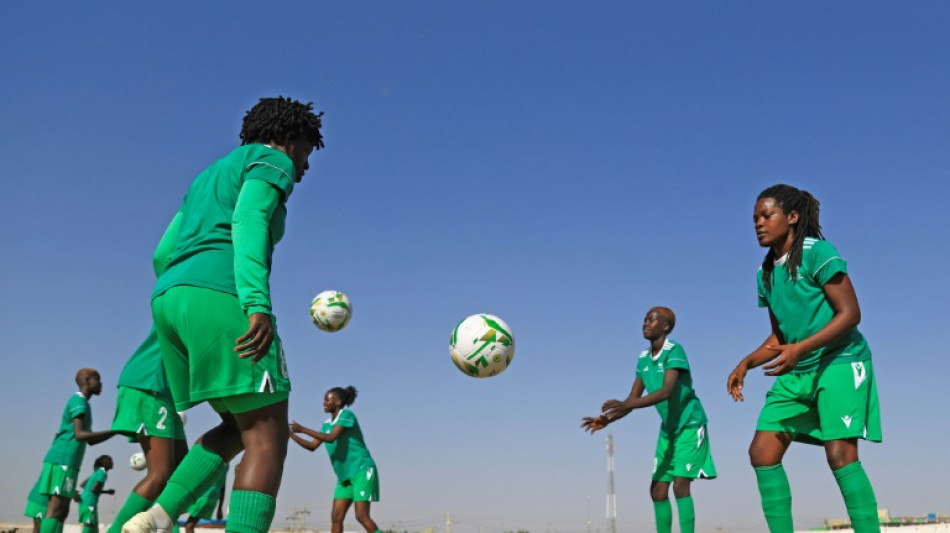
x: 682, y: 409
x: 89, y: 497
x: 802, y: 309
x: 227, y: 245
x: 66, y: 450
x: 144, y: 369
x: 348, y: 453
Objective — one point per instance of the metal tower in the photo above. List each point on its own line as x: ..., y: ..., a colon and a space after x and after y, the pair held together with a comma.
x: 611, y: 495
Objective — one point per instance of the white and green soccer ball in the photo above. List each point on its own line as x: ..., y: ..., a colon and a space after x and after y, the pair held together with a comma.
x: 137, y: 461
x: 331, y: 310
x: 482, y: 346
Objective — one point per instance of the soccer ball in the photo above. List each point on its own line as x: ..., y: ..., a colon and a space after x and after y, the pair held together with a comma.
x: 482, y: 346
x: 331, y: 310
x: 137, y: 461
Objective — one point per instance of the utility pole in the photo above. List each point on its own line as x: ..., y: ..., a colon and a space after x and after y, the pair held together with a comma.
x: 588, y: 514
x: 611, y: 494
x: 448, y: 522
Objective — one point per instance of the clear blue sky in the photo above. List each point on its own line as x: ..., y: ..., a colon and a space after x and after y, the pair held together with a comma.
x: 563, y: 165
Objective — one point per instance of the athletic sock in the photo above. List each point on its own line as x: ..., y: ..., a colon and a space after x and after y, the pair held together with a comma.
x: 776, y: 497
x: 135, y: 504
x: 663, y: 511
x: 250, y: 512
x: 858, y: 498
x: 687, y: 514
x: 50, y: 525
x: 197, y: 472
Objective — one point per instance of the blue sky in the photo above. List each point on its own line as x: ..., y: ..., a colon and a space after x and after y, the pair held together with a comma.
x: 563, y: 165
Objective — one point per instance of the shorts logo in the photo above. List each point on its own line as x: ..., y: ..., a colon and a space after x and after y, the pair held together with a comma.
x: 847, y: 420
x: 689, y: 466
x: 860, y: 373
x: 266, y: 384
x: 700, y: 435
x: 655, y: 464
x: 369, y: 473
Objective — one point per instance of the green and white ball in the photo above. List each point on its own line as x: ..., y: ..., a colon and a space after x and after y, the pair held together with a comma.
x: 137, y: 461
x: 331, y: 310
x: 482, y: 346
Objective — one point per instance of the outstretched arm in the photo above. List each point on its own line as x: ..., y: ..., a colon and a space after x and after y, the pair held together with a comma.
x: 317, y: 435
x: 90, y: 437
x: 761, y: 355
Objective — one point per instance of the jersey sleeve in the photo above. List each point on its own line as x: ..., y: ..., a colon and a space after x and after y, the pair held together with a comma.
x: 273, y: 167
x: 824, y: 262
x: 763, y: 294
x: 346, y: 419
x: 78, y: 406
x: 641, y: 363
x: 677, y: 358
x: 250, y: 230
x: 166, y: 245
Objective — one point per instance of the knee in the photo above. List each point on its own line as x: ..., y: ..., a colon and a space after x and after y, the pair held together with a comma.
x: 337, y: 516
x: 659, y: 492
x: 837, y: 461
x: 681, y: 487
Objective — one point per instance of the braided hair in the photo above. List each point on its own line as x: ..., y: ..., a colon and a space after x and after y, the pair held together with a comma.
x: 790, y: 199
x: 347, y: 396
x: 280, y: 119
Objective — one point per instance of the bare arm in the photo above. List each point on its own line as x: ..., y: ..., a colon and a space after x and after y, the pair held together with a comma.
x: 636, y: 400
x: 90, y: 437
x: 304, y: 443
x: 317, y: 435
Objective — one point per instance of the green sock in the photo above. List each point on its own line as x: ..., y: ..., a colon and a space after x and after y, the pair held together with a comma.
x: 59, y: 526
x: 858, y: 498
x: 687, y: 514
x: 135, y: 504
x: 663, y: 511
x: 776, y: 497
x: 50, y: 525
x: 193, y: 477
x: 250, y: 512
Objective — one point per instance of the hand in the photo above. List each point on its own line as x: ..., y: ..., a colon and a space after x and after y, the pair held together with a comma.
x: 789, y: 356
x: 613, y: 409
x: 592, y: 424
x: 295, y: 427
x: 256, y: 341
x: 735, y: 381
x: 109, y: 491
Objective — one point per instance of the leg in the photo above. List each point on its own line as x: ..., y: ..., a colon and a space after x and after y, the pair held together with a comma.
x: 766, y: 453
x: 190, y: 524
x: 662, y: 510
x: 340, y: 507
x: 264, y: 435
x: 684, y: 504
x: 36, y: 525
x: 855, y: 486
x: 362, y: 516
x: 56, y: 512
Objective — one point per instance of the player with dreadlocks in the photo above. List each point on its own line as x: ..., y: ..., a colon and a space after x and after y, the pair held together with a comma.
x: 825, y: 393
x: 212, y: 310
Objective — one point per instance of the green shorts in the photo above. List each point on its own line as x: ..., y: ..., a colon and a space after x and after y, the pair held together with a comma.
x: 836, y: 402
x: 58, y: 480
x: 363, y: 487
x: 204, y: 506
x: 35, y: 509
x: 89, y: 516
x: 140, y: 413
x: 197, y: 328
x: 686, y: 454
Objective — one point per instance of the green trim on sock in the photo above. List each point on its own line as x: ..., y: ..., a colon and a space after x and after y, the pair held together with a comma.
x: 687, y: 514
x: 858, y: 497
x: 776, y: 497
x: 194, y: 476
x: 250, y: 512
x: 135, y: 504
x: 663, y: 512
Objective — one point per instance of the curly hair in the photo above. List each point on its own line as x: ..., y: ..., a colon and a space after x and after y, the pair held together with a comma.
x: 278, y: 120
x: 347, y: 396
x: 790, y: 199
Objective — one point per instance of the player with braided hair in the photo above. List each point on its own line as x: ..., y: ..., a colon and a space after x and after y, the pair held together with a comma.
x: 212, y: 310
x: 358, y: 479
x: 825, y: 393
